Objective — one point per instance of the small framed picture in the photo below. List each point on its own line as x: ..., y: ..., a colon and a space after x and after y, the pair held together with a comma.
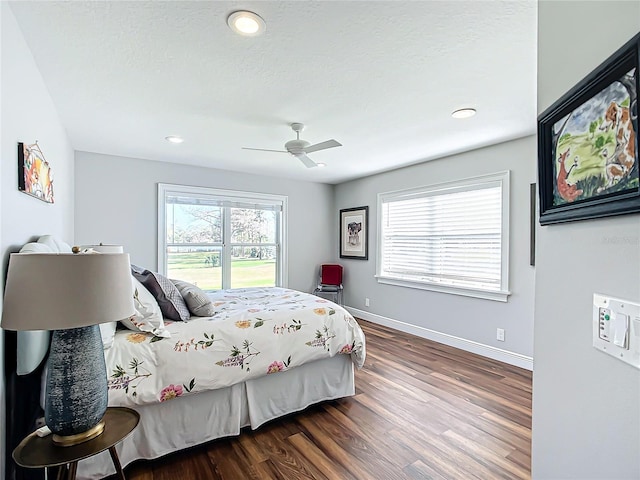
x: 354, y: 233
x: 35, y: 177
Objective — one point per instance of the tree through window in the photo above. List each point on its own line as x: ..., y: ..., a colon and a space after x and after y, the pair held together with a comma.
x: 221, y: 239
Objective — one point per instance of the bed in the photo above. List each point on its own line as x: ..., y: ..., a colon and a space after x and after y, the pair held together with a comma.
x: 266, y: 352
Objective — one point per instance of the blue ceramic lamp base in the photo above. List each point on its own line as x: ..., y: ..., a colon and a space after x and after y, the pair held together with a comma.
x: 76, y: 389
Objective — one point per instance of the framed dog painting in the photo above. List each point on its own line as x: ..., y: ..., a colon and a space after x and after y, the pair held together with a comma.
x: 354, y: 236
x: 588, y: 144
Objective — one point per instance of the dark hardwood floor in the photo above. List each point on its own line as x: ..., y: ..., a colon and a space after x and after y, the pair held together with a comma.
x: 422, y: 410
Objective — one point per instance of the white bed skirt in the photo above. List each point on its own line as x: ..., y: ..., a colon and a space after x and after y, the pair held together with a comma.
x: 188, y: 421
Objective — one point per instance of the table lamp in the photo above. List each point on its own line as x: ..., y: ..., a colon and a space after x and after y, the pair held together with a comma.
x: 70, y: 294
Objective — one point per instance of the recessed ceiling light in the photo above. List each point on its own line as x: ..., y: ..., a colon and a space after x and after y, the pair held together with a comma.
x: 174, y: 139
x: 464, y: 113
x: 246, y: 23
x: 320, y: 164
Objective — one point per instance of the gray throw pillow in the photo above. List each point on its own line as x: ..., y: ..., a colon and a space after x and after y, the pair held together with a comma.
x: 197, y: 301
x: 165, y: 292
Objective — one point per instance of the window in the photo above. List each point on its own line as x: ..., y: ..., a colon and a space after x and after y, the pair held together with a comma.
x: 449, y: 237
x: 221, y: 238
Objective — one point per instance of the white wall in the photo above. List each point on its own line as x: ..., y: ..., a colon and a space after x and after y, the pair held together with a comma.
x: 28, y: 114
x: 586, y: 405
x: 116, y: 202
x: 3, y: 400
x: 471, y: 319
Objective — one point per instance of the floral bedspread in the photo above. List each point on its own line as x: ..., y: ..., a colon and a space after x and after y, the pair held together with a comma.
x: 255, y: 332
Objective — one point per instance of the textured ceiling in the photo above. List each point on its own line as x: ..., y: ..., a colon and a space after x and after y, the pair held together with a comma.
x: 381, y: 77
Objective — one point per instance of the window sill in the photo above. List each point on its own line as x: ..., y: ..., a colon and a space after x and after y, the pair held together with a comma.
x: 498, y: 296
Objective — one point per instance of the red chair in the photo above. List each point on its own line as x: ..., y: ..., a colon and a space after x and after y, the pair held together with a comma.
x: 330, y: 282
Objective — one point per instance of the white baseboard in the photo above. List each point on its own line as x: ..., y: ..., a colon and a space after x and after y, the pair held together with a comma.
x: 505, y: 356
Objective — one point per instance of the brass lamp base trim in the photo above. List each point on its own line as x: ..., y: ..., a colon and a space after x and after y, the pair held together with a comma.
x: 68, y: 440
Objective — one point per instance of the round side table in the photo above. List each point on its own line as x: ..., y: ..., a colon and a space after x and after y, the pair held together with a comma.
x: 37, y: 452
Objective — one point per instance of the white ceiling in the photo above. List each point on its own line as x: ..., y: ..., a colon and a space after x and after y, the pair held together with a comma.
x: 381, y: 77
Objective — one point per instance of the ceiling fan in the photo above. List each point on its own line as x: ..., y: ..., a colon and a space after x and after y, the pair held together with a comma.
x: 299, y: 148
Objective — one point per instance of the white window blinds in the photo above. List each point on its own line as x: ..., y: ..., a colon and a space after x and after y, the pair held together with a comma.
x: 452, y: 235
x: 222, y: 201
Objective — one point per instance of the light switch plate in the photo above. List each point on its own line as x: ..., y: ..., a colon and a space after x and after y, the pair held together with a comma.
x: 609, y: 316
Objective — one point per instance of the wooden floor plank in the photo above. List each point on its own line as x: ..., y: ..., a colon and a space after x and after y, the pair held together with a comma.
x: 422, y: 410
x: 419, y: 470
x: 351, y: 453
x: 495, y: 462
x: 226, y: 463
x: 521, y: 458
x: 311, y: 452
x: 449, y: 466
x: 266, y: 470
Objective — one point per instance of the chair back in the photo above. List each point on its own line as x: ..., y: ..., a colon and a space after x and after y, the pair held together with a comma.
x: 331, y: 274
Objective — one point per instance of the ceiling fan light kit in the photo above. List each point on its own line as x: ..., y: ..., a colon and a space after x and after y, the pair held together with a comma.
x: 300, y: 148
x: 246, y: 23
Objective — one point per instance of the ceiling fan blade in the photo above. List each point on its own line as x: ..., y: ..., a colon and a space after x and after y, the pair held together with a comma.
x: 306, y: 160
x: 322, y: 145
x: 264, y: 150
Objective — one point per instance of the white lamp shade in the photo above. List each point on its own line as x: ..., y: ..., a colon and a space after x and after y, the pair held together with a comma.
x: 52, y: 291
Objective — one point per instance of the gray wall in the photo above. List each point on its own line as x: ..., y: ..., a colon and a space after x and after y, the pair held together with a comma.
x: 28, y: 114
x: 471, y: 319
x: 586, y: 405
x: 116, y: 202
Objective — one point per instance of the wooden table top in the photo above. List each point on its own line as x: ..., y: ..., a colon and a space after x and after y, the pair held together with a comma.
x: 39, y: 452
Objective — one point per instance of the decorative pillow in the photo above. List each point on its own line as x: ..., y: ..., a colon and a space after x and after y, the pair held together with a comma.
x: 148, y: 317
x: 165, y: 292
x: 34, y: 247
x: 108, y: 333
x: 56, y: 245
x: 196, y: 299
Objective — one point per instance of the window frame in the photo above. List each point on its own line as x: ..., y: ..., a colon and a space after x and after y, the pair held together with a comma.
x: 165, y: 189
x: 502, y: 178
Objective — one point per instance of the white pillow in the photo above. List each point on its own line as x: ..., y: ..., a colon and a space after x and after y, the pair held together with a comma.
x: 34, y: 247
x: 55, y: 244
x: 148, y: 317
x: 108, y: 333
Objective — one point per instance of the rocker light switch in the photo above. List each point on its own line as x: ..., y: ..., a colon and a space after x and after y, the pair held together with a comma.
x: 620, y: 329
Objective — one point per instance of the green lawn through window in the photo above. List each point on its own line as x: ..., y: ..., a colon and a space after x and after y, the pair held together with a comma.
x: 196, y: 268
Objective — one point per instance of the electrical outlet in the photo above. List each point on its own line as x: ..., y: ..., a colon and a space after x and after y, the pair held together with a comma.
x: 500, y: 334
x: 366, y: 302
